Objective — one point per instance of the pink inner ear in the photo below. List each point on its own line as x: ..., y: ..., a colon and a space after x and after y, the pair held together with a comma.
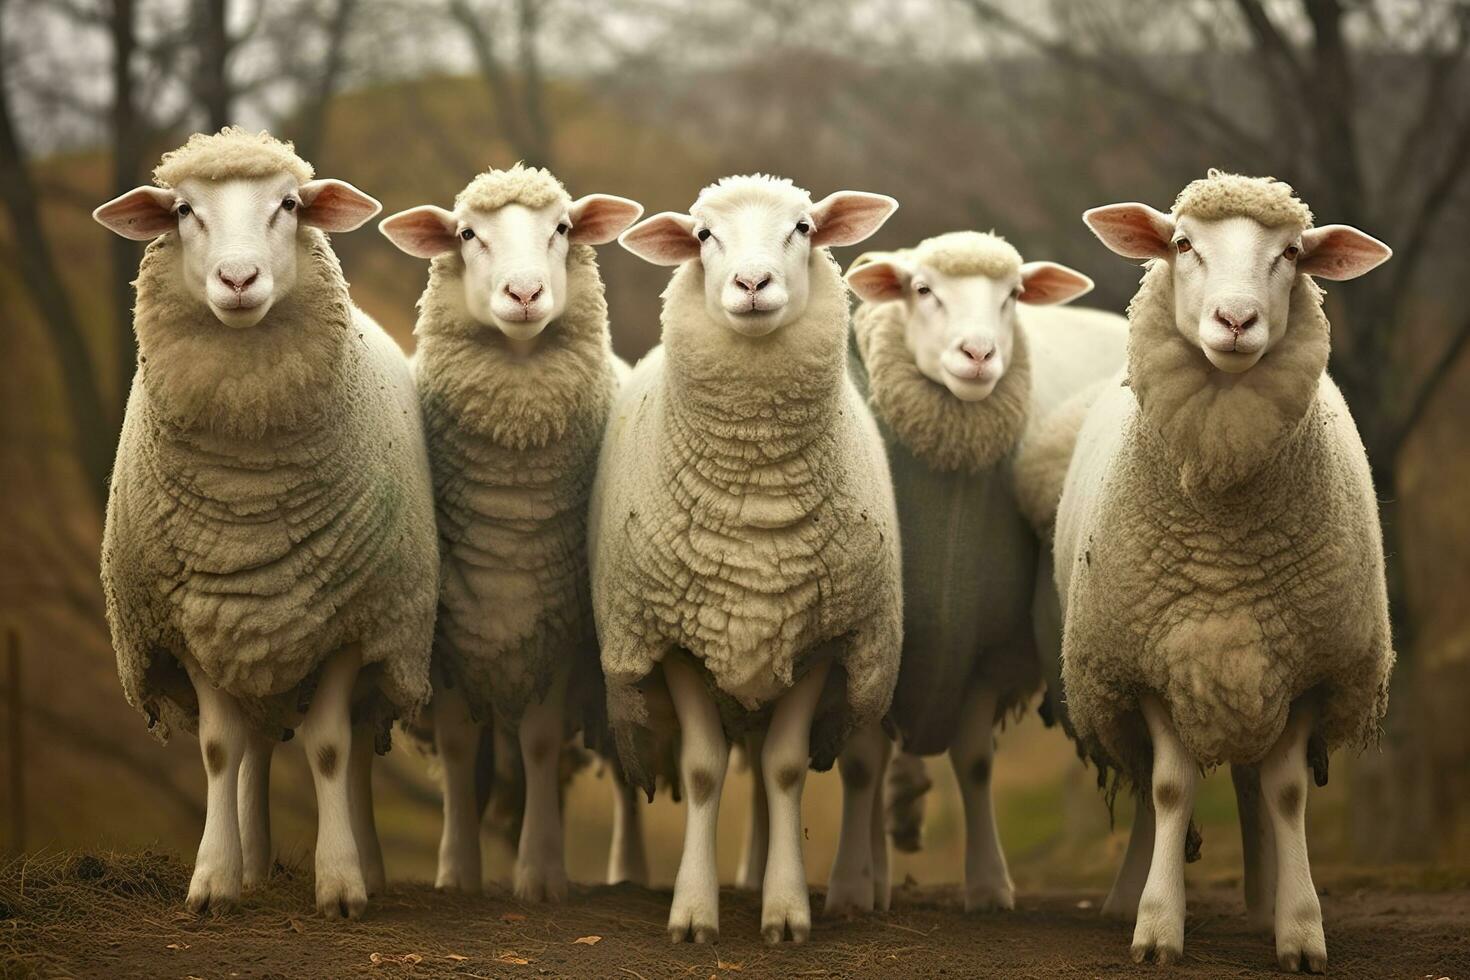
x: 849, y: 217
x: 1341, y: 252
x: 335, y: 205
x: 422, y: 232
x: 876, y: 282
x: 141, y: 214
x: 1131, y: 230
x: 599, y: 218
x: 1045, y: 283
x: 664, y: 239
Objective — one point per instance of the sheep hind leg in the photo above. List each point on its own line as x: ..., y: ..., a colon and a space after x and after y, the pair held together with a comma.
x: 626, y: 858
x: 540, y: 871
x: 1159, y: 932
x: 456, y: 741
x: 255, y: 809
x: 882, y: 884
x: 1257, y: 847
x: 785, y: 899
x: 757, y: 832
x: 223, y: 737
x: 852, y: 886
x: 326, y: 734
x: 1122, y: 900
x: 360, y: 800
x: 1300, y: 944
x: 972, y: 753
x: 703, y: 757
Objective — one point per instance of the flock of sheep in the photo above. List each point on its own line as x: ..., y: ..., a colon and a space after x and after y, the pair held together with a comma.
x: 812, y: 535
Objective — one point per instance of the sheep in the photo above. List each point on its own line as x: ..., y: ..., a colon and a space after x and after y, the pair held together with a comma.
x: 269, y: 558
x: 516, y: 376
x: 744, y: 542
x: 1217, y: 546
x: 958, y: 356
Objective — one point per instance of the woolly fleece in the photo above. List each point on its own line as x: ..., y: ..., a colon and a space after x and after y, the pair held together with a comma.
x: 1218, y: 543
x: 744, y: 512
x: 230, y: 153
x: 270, y: 502
x: 494, y: 189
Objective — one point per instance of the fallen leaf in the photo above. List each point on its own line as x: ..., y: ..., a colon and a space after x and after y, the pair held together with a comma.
x: 512, y: 917
x: 413, y: 959
x: 456, y: 957
x: 734, y: 967
x: 587, y: 941
x: 375, y: 958
x: 177, y: 946
x: 296, y: 925
x: 513, y: 959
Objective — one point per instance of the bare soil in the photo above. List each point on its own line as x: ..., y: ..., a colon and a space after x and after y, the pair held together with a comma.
x: 122, y: 916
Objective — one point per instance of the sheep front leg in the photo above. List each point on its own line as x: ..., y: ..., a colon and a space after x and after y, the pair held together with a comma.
x: 753, y: 854
x: 626, y: 858
x: 878, y: 833
x: 972, y: 753
x: 326, y: 734
x: 255, y: 808
x: 1300, y: 944
x: 1123, y: 898
x: 360, y: 801
x: 703, y: 756
x: 457, y: 740
x: 223, y: 737
x: 1257, y: 847
x: 1159, y: 931
x: 540, y: 872
x: 852, y: 886
x: 785, y: 900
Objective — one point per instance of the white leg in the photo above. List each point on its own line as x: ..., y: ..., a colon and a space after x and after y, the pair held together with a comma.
x: 972, y: 753
x: 1159, y: 931
x: 223, y: 737
x: 1122, y: 900
x: 360, y: 800
x: 626, y: 859
x: 326, y: 734
x: 882, y: 886
x: 255, y: 808
x: 852, y: 886
x: 1257, y: 847
x: 1300, y: 944
x: 785, y: 898
x: 753, y: 855
x: 540, y: 872
x: 456, y: 741
x: 703, y: 756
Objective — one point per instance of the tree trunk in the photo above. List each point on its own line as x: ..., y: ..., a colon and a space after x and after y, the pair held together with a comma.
x: 127, y: 140
x: 214, y: 52
x: 314, y: 116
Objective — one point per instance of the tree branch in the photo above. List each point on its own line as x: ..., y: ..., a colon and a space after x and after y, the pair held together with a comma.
x: 1424, y: 394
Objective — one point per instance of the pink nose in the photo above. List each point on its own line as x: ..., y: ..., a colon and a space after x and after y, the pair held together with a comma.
x: 977, y: 352
x: 238, y: 281
x: 524, y: 295
x: 752, y: 283
x: 1237, y: 321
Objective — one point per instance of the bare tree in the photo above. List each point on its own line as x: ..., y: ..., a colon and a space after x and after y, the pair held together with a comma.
x: 516, y: 90
x: 314, y: 113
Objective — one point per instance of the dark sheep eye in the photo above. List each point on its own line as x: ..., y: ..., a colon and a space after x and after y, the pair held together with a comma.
x: 1183, y: 245
x: 802, y: 227
x: 184, y: 211
x: 289, y: 204
x: 562, y: 228
x: 923, y: 290
x: 703, y: 235
x: 1292, y: 252
x: 467, y: 234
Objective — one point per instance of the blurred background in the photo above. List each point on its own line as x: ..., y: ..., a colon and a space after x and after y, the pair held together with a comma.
x: 1013, y: 116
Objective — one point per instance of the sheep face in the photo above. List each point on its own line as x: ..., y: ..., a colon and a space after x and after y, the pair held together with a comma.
x: 961, y: 329
x: 515, y: 256
x: 1233, y: 275
x: 241, y: 238
x: 754, y: 237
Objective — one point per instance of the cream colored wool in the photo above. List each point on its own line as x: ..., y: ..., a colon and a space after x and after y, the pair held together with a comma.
x: 1218, y: 540
x: 513, y: 443
x: 1041, y: 464
x: 494, y: 189
x: 230, y: 153
x: 744, y: 512
x: 270, y: 502
x: 1221, y: 195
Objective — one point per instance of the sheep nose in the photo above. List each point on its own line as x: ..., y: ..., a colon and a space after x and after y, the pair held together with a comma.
x: 523, y: 294
x: 1236, y: 321
x: 238, y: 279
x: 752, y: 283
x: 977, y: 351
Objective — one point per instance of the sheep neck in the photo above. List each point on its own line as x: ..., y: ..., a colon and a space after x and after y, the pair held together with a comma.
x: 1220, y: 430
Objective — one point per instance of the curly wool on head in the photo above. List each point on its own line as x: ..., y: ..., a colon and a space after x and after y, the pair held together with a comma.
x: 968, y: 253
x: 230, y: 153
x: 747, y: 190
x: 1222, y: 195
x: 494, y: 189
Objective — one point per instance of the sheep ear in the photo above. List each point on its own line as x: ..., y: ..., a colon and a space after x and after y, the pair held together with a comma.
x: 849, y: 217
x: 1047, y: 283
x: 141, y: 214
x: 664, y: 239
x: 878, y: 280
x: 1134, y: 231
x: 422, y: 232
x: 1340, y: 252
x: 599, y: 218
x: 335, y: 205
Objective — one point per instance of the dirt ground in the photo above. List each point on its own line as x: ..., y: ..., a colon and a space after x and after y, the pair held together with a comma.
x: 122, y: 916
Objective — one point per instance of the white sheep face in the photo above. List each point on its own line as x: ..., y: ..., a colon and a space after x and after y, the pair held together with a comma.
x: 515, y: 257
x: 1233, y: 276
x: 239, y: 241
x: 961, y: 329
x: 754, y: 239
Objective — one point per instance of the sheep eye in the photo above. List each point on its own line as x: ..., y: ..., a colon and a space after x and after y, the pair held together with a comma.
x: 289, y: 204
x: 467, y: 234
x: 1183, y: 245
x: 1292, y: 252
x: 703, y: 235
x: 562, y: 228
x: 802, y: 227
x: 184, y: 211
x: 923, y: 290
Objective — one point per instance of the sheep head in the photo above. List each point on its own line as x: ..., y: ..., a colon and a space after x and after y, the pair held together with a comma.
x: 238, y: 204
x: 960, y: 292
x: 512, y: 230
x: 755, y: 236
x: 1236, y: 246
